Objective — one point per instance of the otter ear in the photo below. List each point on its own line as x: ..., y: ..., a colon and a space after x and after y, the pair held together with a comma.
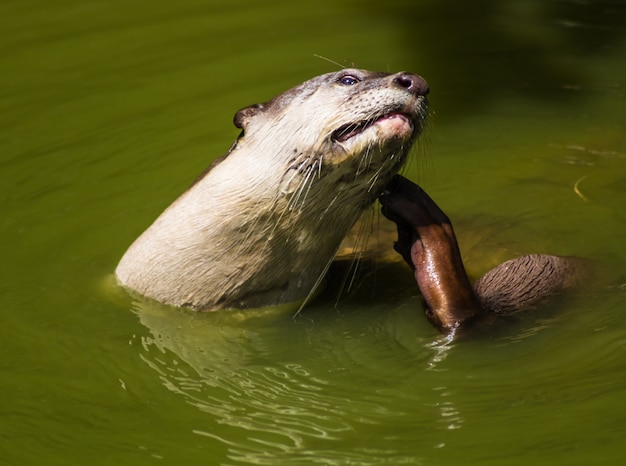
x: 243, y: 116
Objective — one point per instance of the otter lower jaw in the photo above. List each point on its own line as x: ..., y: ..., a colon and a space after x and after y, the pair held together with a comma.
x: 397, y: 123
x: 381, y: 141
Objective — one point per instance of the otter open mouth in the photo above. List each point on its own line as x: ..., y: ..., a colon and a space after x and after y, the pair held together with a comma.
x: 394, y: 119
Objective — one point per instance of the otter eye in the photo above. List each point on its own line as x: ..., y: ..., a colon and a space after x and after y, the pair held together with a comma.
x: 348, y: 80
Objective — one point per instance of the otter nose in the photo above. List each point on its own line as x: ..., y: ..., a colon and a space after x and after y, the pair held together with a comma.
x: 411, y: 82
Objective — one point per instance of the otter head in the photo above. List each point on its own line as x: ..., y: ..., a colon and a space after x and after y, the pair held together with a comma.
x: 262, y: 225
x: 354, y: 126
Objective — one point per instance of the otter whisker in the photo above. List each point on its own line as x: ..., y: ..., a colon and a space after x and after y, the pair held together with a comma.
x: 327, y: 209
x: 319, y: 167
x: 301, y: 191
x: 364, y: 161
x: 297, y: 163
x: 312, y: 172
x: 374, y: 178
x: 316, y: 285
x: 330, y: 61
x: 293, y: 174
x: 310, y: 180
x: 360, y: 246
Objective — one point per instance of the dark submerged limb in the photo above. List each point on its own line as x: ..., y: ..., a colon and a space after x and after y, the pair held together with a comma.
x: 427, y: 243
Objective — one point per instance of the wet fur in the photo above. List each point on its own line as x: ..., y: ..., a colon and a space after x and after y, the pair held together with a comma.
x: 261, y: 226
x: 427, y: 242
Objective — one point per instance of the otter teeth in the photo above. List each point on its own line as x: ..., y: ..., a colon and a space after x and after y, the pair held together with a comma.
x: 350, y: 130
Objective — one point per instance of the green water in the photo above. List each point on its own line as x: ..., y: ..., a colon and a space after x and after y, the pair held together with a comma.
x: 109, y: 109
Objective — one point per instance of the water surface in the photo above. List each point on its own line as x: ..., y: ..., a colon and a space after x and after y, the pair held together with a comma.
x: 108, y: 111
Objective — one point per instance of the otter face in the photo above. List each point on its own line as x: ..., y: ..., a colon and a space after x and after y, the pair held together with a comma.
x: 352, y: 123
x: 389, y: 111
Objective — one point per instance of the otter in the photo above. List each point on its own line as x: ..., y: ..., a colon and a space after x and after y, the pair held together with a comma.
x: 427, y: 242
x: 261, y: 226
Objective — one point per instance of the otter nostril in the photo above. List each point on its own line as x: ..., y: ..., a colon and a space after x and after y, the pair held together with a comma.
x: 404, y: 81
x: 412, y: 83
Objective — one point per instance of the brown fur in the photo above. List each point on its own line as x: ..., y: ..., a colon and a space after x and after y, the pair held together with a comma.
x: 427, y: 242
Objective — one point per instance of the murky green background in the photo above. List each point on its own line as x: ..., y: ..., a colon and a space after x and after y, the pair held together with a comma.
x: 109, y: 109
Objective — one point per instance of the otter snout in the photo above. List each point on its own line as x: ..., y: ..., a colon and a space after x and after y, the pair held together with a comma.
x: 411, y: 82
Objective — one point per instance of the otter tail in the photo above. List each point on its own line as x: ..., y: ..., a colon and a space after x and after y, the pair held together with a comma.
x: 525, y: 281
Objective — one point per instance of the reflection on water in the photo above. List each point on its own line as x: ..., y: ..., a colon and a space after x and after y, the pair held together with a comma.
x: 278, y: 388
x: 295, y: 397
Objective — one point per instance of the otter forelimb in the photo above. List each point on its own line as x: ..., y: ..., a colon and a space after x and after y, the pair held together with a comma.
x: 427, y: 243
